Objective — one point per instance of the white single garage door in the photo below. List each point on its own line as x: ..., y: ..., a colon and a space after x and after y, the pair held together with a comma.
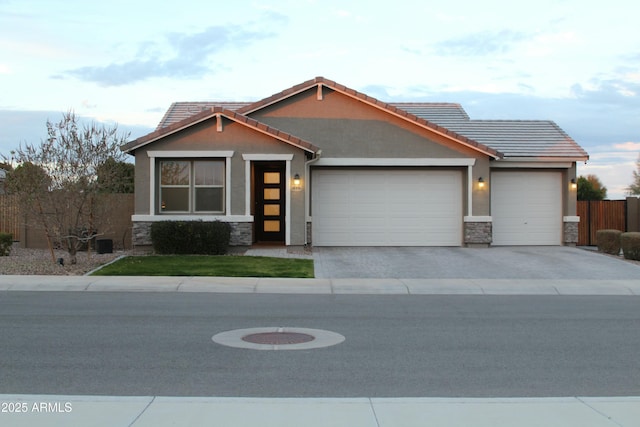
x: 386, y: 208
x: 526, y: 208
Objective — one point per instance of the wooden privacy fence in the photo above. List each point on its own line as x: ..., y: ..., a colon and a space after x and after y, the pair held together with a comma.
x: 600, y: 215
x: 9, y: 215
x: 31, y: 235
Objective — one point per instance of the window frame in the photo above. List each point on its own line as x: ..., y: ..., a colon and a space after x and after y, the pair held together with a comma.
x: 192, y: 186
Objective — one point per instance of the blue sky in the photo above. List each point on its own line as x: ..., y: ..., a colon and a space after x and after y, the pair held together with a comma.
x: 125, y: 61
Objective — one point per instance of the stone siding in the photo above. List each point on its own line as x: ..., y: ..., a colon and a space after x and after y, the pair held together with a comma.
x: 570, y: 233
x: 478, y: 233
x: 241, y: 234
x: 141, y: 234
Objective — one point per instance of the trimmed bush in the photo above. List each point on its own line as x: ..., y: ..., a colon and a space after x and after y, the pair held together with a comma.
x: 631, y: 245
x: 608, y: 241
x: 190, y: 237
x: 6, y: 240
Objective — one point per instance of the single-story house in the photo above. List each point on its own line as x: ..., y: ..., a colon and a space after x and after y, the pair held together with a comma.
x: 325, y: 165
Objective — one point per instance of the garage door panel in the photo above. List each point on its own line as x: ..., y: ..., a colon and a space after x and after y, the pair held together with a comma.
x: 526, y: 208
x: 387, y: 208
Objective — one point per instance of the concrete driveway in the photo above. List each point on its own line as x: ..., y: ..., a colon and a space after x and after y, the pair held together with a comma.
x: 517, y: 262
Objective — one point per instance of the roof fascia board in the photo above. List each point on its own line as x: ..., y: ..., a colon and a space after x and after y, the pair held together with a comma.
x: 277, y: 100
x: 164, y: 135
x: 408, y: 117
x: 380, y: 161
x: 537, y: 164
x: 272, y: 135
x: 541, y: 159
x: 218, y: 114
x: 320, y: 81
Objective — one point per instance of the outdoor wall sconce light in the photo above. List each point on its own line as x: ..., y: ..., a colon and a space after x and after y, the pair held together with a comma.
x: 297, y: 183
x: 481, y: 183
x: 574, y: 184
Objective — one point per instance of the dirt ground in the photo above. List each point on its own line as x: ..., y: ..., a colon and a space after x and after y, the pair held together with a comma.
x: 38, y: 261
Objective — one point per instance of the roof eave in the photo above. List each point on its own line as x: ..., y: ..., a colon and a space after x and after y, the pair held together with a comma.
x: 321, y: 81
x: 547, y: 159
x: 287, y: 138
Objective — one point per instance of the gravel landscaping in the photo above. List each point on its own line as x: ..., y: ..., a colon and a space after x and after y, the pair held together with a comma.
x: 38, y: 261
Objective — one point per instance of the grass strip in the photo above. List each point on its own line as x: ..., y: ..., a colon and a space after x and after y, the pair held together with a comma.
x: 200, y: 265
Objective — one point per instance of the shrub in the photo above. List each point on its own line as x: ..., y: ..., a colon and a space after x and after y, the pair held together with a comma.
x: 190, y: 237
x: 631, y: 245
x: 608, y: 241
x: 6, y: 240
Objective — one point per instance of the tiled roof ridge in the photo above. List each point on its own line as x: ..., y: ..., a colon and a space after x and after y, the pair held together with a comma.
x: 448, y: 119
x: 212, y: 112
x: 372, y: 101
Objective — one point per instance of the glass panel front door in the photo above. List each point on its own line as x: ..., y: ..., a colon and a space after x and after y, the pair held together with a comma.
x: 269, y: 198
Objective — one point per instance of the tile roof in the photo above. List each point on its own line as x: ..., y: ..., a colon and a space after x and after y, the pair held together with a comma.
x: 181, y: 110
x: 498, y: 138
x: 447, y: 133
x: 523, y: 138
x: 438, y: 112
x: 210, y: 113
x: 514, y: 138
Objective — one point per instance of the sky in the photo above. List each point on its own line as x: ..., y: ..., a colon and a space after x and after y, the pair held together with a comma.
x: 124, y: 62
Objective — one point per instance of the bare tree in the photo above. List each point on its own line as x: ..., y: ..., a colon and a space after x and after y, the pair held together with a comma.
x: 64, y: 194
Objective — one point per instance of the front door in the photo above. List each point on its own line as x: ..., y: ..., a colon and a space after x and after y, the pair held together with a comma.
x: 269, y: 201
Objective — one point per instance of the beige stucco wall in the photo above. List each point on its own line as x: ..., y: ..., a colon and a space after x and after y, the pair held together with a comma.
x: 347, y: 128
x: 234, y: 137
x: 342, y: 127
x: 481, y: 196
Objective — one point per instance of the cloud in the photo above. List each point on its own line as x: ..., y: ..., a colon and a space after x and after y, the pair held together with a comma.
x: 19, y: 126
x: 87, y: 104
x: 4, y: 69
x: 628, y: 146
x: 191, y: 56
x: 615, y: 91
x: 620, y: 87
x: 481, y: 44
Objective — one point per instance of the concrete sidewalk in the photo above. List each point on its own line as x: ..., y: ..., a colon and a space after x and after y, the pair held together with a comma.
x: 321, y: 286
x: 113, y: 411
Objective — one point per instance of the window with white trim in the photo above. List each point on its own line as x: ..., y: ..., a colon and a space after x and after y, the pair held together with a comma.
x: 192, y: 186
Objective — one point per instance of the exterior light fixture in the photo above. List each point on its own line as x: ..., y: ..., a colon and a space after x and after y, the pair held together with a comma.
x: 574, y: 184
x: 297, y: 183
x: 480, y: 183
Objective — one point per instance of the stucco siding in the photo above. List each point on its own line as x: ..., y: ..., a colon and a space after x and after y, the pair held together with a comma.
x: 240, y: 140
x: 344, y: 127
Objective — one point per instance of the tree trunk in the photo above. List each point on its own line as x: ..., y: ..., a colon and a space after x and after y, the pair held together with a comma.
x: 46, y: 230
x: 72, y: 249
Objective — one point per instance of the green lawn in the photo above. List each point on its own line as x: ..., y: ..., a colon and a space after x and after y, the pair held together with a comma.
x: 195, y: 265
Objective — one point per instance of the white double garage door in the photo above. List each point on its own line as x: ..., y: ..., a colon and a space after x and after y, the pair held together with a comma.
x: 371, y: 207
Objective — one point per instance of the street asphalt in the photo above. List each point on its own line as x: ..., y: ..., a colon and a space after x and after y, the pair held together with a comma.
x: 547, y: 274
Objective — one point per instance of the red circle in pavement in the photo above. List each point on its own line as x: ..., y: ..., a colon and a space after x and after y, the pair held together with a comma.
x: 278, y: 338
